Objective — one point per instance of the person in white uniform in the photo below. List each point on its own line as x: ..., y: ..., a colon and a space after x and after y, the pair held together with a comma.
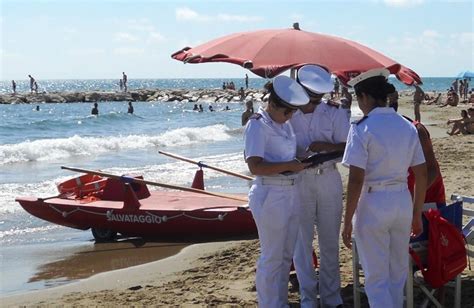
x: 320, y: 126
x: 270, y: 150
x: 380, y: 148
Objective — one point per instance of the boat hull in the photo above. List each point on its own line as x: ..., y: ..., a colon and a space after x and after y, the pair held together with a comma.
x: 202, y: 218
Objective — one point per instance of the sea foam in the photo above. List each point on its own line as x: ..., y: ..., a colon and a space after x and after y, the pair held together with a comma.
x: 60, y: 148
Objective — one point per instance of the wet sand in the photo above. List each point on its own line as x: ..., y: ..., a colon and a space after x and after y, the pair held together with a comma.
x: 39, y: 266
x: 224, y: 272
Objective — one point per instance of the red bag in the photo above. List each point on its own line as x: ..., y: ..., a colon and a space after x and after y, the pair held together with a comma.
x: 446, y: 251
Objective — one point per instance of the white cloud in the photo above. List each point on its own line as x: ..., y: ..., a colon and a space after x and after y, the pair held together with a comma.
x: 128, y: 51
x: 466, y: 38
x: 431, y: 34
x: 155, y: 37
x: 69, y: 30
x: 238, y: 18
x: 142, y: 25
x: 187, y: 14
x: 86, y: 51
x: 125, y: 37
x: 403, y: 3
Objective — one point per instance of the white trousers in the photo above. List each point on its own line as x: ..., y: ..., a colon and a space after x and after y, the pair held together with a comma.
x: 321, y: 201
x: 275, y: 210
x: 382, y: 226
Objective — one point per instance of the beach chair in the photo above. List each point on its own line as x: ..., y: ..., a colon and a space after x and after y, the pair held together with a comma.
x: 452, y: 213
x: 468, y: 227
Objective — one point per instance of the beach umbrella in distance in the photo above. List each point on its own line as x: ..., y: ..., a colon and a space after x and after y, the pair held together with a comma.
x: 466, y: 74
x: 267, y: 53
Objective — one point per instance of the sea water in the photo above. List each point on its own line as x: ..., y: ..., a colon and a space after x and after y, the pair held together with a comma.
x: 35, y: 144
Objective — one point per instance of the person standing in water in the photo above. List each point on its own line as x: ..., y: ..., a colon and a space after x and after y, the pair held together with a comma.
x: 95, y: 109
x: 130, y: 107
x: 247, y: 113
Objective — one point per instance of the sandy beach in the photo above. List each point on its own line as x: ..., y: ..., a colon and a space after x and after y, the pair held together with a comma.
x: 223, y: 273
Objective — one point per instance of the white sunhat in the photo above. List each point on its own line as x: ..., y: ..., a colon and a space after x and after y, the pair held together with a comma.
x: 369, y: 74
x: 315, y: 79
x: 290, y: 93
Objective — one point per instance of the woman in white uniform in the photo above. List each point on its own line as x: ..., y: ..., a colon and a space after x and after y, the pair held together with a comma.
x: 380, y: 148
x: 270, y: 149
x: 320, y: 126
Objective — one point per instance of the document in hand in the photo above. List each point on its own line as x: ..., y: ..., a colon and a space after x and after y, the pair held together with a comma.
x: 319, y: 158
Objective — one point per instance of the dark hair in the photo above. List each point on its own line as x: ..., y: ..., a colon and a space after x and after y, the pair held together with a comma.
x: 377, y: 87
x: 464, y: 113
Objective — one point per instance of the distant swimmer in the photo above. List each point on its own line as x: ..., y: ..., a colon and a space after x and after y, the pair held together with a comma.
x: 195, y: 108
x: 95, y: 110
x: 226, y: 108
x: 200, y: 108
x: 130, y: 107
x: 210, y: 108
x: 32, y: 83
x: 37, y: 108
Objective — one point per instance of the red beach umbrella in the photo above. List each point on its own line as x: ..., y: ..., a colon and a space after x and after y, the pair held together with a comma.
x: 267, y: 53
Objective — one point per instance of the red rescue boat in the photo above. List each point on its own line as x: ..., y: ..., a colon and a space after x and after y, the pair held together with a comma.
x: 114, y: 204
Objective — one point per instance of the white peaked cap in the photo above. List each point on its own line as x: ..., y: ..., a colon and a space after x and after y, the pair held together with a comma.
x: 315, y: 79
x: 290, y: 92
x: 369, y: 74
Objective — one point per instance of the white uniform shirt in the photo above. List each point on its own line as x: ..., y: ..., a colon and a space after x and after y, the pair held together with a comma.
x: 325, y: 124
x: 384, y: 144
x: 272, y: 141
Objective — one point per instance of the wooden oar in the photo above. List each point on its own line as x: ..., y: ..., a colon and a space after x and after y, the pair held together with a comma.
x: 128, y: 179
x: 200, y: 164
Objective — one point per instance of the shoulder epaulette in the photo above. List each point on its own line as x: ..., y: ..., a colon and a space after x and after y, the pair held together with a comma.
x: 360, y: 121
x: 332, y: 104
x: 255, y: 116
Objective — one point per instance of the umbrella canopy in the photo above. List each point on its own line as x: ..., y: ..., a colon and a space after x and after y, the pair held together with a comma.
x: 466, y: 74
x: 267, y: 53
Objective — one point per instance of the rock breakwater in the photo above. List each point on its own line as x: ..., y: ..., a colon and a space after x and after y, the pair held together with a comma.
x: 142, y: 95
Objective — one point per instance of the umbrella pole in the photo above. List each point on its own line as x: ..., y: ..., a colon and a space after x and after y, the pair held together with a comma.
x: 128, y: 179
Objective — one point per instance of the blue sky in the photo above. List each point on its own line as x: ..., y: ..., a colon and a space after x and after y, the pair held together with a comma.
x: 72, y: 39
